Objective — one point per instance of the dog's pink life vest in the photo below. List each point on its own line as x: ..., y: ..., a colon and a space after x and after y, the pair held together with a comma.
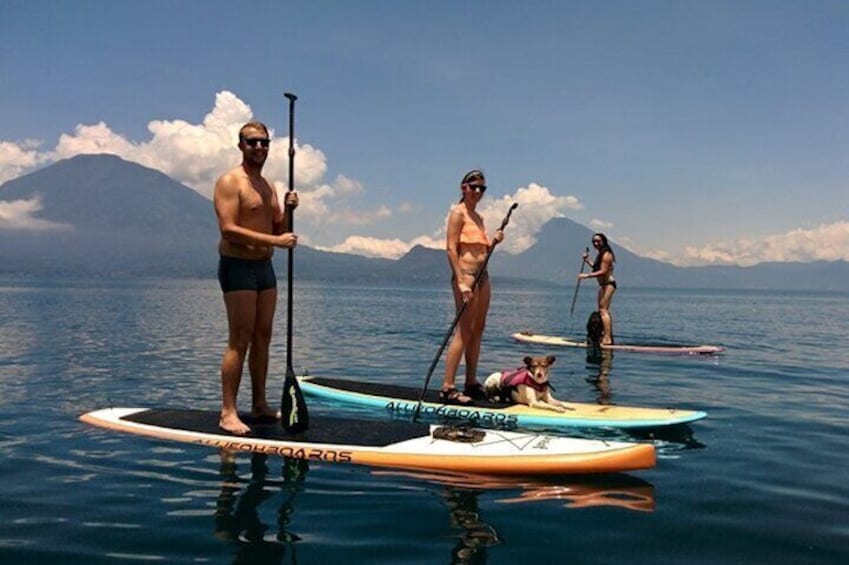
x: 521, y: 376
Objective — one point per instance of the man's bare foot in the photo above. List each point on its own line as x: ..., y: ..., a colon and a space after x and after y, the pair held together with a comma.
x: 231, y: 423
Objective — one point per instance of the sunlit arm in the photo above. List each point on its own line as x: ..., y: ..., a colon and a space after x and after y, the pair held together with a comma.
x: 281, y: 219
x: 452, y: 243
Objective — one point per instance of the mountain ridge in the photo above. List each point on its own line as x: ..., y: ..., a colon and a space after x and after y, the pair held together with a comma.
x: 128, y: 220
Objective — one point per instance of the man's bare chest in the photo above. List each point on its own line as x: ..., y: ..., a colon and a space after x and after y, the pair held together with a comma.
x: 256, y: 202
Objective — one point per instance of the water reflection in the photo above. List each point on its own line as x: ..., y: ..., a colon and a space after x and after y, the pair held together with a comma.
x: 577, y: 491
x: 599, y: 365
x: 668, y: 439
x: 461, y: 492
x: 474, y: 535
x: 237, y: 517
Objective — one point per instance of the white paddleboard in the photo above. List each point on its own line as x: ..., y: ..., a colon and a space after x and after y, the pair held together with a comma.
x: 390, y: 444
x: 539, y: 339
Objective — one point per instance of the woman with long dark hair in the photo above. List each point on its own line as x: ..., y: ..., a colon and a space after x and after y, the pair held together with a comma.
x: 602, y: 270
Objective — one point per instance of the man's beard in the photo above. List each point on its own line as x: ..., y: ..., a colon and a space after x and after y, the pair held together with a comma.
x: 258, y: 159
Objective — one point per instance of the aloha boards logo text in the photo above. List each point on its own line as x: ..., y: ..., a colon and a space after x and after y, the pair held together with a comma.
x: 309, y: 454
x: 490, y: 419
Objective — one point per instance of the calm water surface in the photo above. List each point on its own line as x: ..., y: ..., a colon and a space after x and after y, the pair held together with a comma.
x: 761, y: 480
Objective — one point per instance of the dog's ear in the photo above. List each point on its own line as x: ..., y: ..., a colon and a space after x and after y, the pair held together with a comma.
x: 550, y: 359
x: 527, y: 360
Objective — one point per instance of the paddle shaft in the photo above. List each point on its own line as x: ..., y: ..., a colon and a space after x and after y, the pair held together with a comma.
x: 290, y: 227
x: 578, y: 284
x: 459, y: 315
x: 293, y: 407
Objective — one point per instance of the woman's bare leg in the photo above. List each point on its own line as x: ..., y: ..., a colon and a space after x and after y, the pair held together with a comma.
x: 605, y: 296
x: 478, y: 311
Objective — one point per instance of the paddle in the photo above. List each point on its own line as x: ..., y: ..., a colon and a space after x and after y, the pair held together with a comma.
x: 578, y: 285
x: 293, y: 407
x: 460, y: 314
x: 575, y: 296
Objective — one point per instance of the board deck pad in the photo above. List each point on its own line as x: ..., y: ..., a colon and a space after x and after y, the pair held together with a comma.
x: 391, y: 390
x: 402, y: 401
x: 657, y: 348
x: 337, y: 430
x: 388, y: 444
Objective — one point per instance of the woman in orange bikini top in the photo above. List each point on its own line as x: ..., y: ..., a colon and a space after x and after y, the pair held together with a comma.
x: 472, y: 233
x: 467, y: 246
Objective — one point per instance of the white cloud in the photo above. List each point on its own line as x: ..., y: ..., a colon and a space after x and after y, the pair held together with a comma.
x: 95, y: 139
x: 197, y: 153
x: 597, y: 224
x: 537, y: 205
x: 827, y: 242
x: 344, y: 185
x: 627, y: 243
x: 360, y: 217
x: 385, y: 248
x: 371, y: 247
x: 18, y: 158
x: 20, y: 215
x: 428, y: 241
x: 656, y: 254
x: 194, y: 154
x: 326, y: 204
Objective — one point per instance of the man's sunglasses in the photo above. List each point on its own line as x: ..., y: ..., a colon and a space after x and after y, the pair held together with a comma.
x: 256, y: 141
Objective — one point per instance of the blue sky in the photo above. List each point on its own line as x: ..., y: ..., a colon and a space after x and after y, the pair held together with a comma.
x: 692, y: 132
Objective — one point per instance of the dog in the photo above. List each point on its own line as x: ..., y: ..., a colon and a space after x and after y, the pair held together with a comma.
x: 527, y: 385
x: 595, y: 331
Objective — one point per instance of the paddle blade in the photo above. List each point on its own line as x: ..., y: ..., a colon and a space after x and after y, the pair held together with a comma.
x: 293, y: 408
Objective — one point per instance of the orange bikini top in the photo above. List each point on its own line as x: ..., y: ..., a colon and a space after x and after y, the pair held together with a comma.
x: 472, y: 234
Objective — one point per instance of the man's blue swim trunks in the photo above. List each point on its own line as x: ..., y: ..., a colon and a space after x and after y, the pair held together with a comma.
x: 245, y: 274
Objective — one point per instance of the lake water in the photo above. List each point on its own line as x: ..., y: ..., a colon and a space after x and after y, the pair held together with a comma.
x: 761, y: 480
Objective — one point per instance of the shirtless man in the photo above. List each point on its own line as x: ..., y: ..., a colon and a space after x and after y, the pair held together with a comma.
x: 252, y: 224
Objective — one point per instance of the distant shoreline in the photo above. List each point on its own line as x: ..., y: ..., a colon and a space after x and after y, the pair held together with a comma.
x: 503, y: 283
